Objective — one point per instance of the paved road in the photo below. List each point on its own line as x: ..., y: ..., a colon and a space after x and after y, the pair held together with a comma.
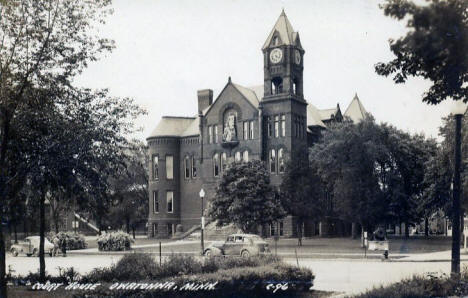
x: 348, y: 276
x: 355, y: 276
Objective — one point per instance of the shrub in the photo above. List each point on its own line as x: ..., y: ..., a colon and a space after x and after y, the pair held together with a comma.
x: 139, y: 266
x: 114, y: 241
x: 423, y: 286
x: 234, y: 282
x: 72, y: 240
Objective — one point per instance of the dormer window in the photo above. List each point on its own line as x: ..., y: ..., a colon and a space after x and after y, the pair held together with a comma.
x: 275, y: 41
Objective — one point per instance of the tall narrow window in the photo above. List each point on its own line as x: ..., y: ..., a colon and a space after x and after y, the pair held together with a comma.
x: 276, y: 126
x: 281, y: 163
x: 272, y: 161
x: 194, y: 167
x: 269, y: 127
x: 281, y: 233
x: 170, y: 201
x: 155, y: 202
x: 169, y: 167
x: 187, y: 167
x: 210, y: 134
x: 283, y: 125
x: 245, y: 156
x: 216, y: 165
x: 272, y: 229
x: 223, y: 161
x: 216, y: 133
x: 251, y: 131
x: 238, y: 156
x: 155, y: 167
x: 246, y: 130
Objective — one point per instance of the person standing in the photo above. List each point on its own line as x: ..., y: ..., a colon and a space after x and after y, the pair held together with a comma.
x: 56, y: 243
x: 64, y: 247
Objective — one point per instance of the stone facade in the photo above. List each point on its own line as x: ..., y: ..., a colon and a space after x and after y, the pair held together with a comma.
x: 270, y: 122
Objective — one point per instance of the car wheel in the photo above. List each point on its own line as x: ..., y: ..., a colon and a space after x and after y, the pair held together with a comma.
x: 51, y: 252
x: 208, y: 253
x: 245, y: 254
x: 34, y: 252
x: 14, y: 252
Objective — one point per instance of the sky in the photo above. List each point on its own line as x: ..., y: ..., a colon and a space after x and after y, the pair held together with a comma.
x: 167, y: 50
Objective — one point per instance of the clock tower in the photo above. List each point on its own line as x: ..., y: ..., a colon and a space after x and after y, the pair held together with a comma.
x: 283, y: 106
x: 283, y: 61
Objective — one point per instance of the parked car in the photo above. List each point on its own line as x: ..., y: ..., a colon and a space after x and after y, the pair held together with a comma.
x: 30, y: 247
x: 244, y: 245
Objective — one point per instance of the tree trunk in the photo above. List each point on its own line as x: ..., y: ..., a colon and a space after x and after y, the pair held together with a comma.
x: 354, y: 231
x: 362, y: 236
x: 127, y: 223
x: 426, y: 226
x: 133, y: 231
x: 56, y: 221
x: 299, y: 232
x: 41, y: 235
x: 16, y: 233
x: 3, y: 286
x: 406, y: 230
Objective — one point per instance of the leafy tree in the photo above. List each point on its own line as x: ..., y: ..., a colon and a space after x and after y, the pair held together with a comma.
x: 437, y: 179
x: 302, y: 192
x: 346, y: 157
x: 44, y: 44
x: 129, y: 192
x: 435, y: 47
x: 245, y: 197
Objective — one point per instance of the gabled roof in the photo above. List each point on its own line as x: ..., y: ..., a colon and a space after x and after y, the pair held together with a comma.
x: 313, y: 116
x: 356, y: 110
x: 193, y: 129
x: 328, y: 114
x: 172, y: 126
x: 285, y: 32
x: 249, y: 94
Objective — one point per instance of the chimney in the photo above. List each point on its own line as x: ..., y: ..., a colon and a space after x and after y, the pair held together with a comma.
x: 205, y: 99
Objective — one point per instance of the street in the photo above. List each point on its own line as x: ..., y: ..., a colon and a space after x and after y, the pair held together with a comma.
x: 341, y: 275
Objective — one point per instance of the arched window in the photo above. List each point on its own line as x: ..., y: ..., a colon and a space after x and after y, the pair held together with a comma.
x: 223, y: 161
x: 275, y: 41
x: 295, y: 86
x: 216, y: 165
x: 281, y: 163
x: 273, y: 161
x: 187, y: 167
x: 194, y: 167
x: 245, y: 156
x: 276, y: 85
x: 238, y: 156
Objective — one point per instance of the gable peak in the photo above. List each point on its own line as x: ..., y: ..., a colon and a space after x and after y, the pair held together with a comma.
x: 282, y: 30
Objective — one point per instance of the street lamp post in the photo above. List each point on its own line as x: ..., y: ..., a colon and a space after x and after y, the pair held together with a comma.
x: 458, y: 112
x: 202, y: 195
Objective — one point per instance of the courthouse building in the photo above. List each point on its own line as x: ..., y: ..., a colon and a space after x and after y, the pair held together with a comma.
x: 266, y: 122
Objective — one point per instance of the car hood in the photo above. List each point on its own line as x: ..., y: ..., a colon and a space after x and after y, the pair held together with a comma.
x: 216, y: 244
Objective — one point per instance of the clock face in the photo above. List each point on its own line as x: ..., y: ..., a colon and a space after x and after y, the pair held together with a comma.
x: 297, y: 57
x: 276, y: 55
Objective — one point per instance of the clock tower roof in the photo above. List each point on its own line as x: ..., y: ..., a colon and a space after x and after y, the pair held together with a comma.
x: 284, y: 31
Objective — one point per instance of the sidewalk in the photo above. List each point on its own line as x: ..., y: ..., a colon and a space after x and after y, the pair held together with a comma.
x: 440, y: 256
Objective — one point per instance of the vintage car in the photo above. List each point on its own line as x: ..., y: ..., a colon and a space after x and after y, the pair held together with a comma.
x: 244, y: 245
x: 30, y: 247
